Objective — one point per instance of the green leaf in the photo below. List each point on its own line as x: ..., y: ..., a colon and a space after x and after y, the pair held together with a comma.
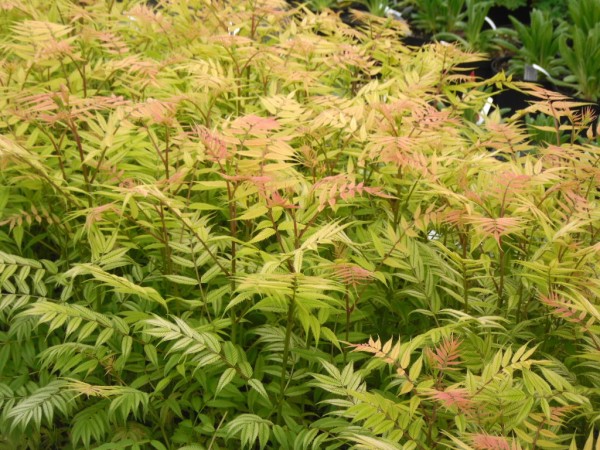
x: 258, y: 386
x: 40, y: 406
x: 179, y: 279
x: 226, y: 377
x: 151, y: 354
x: 119, y: 284
x: 253, y: 212
x: 158, y: 445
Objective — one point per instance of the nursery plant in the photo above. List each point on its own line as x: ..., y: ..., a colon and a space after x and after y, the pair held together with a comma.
x: 511, y: 4
x: 436, y: 16
x: 584, y: 14
x: 581, y: 58
x: 562, y: 48
x: 320, y: 5
x: 474, y: 36
x: 377, y: 7
x: 231, y: 225
x: 579, y: 48
x: 557, y: 8
x: 538, y: 43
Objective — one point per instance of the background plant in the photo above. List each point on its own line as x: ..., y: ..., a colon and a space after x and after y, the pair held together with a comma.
x: 435, y: 16
x: 560, y: 44
x: 378, y: 7
x: 277, y: 231
x: 558, y: 8
x: 578, y: 48
x: 512, y: 4
x: 538, y: 43
x: 475, y: 35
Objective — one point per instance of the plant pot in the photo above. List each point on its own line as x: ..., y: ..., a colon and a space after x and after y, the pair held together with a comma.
x: 348, y: 18
x: 500, y: 64
x: 415, y: 41
x: 501, y: 15
x: 513, y: 100
x: 481, y: 70
x: 356, y: 6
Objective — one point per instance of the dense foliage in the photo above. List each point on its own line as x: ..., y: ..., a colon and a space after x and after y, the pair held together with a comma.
x: 232, y: 225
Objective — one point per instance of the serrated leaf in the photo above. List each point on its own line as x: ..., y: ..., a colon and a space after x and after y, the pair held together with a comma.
x: 253, y: 212
x: 226, y: 377
x: 180, y: 279
x: 258, y: 386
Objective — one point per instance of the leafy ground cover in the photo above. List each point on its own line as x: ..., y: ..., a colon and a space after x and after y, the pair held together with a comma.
x: 234, y: 225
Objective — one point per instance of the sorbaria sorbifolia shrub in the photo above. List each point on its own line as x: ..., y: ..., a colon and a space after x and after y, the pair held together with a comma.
x: 234, y: 225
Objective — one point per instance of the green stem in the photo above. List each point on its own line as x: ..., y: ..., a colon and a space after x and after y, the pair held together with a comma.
x: 519, y: 312
x: 190, y: 228
x: 501, y: 282
x: 286, y: 351
x: 465, y: 275
x: 84, y: 168
x: 166, y: 160
x: 168, y: 262
x: 214, y: 436
x: 348, y: 313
